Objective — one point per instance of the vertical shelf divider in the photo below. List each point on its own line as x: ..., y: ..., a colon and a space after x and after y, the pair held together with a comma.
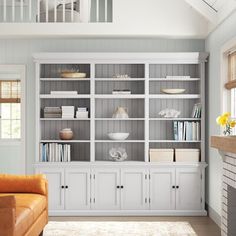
x: 92, y: 112
x: 146, y: 115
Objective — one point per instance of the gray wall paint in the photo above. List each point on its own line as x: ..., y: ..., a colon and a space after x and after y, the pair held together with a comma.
x: 20, y: 52
x: 214, y: 42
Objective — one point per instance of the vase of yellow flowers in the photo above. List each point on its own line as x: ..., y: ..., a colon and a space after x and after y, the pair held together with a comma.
x: 226, y: 122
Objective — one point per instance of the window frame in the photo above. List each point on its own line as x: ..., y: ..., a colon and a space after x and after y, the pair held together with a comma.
x: 13, y: 72
x: 226, y: 91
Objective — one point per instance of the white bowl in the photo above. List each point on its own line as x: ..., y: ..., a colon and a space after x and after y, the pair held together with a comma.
x: 118, y: 136
x: 173, y: 91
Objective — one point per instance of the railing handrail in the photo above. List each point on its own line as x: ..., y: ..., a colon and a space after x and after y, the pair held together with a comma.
x: 45, y: 11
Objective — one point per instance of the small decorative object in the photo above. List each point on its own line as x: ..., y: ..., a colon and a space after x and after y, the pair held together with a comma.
x: 125, y: 76
x: 69, y: 74
x: 118, y: 136
x: 169, y: 113
x: 173, y: 91
x: 66, y: 134
x: 226, y: 122
x: 120, y: 113
x: 118, y: 154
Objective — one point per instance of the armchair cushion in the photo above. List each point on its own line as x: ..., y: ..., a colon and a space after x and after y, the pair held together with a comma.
x: 22, y: 184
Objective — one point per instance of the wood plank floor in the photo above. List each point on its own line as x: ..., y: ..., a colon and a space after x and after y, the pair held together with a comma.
x: 203, y: 226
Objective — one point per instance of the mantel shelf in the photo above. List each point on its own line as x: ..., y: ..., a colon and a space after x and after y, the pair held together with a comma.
x: 224, y: 143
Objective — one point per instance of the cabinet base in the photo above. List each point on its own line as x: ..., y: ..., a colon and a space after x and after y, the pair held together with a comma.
x: 129, y: 213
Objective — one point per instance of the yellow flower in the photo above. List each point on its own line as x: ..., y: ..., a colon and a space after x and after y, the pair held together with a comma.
x: 226, y: 114
x: 222, y: 120
x: 232, y: 123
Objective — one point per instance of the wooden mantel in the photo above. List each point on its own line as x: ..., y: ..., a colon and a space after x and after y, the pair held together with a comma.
x: 224, y: 143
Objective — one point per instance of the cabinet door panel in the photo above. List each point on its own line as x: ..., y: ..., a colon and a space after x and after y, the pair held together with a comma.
x: 106, y: 193
x: 55, y: 177
x: 162, y: 195
x: 77, y: 195
x: 188, y: 195
x: 134, y: 191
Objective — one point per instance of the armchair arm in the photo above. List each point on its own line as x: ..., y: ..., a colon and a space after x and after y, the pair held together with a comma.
x: 7, y: 215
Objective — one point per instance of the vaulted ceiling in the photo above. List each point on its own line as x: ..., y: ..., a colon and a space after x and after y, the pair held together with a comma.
x: 214, y: 11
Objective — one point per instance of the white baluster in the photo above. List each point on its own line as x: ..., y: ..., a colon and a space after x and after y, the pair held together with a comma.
x: 63, y: 11
x: 21, y: 10
x: 38, y: 10
x: 4, y: 10
x: 97, y: 8
x: 30, y: 10
x: 55, y: 10
x: 105, y: 10
x: 46, y: 10
x: 13, y: 10
x: 72, y: 10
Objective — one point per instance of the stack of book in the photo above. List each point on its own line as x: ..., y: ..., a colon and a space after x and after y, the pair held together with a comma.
x: 197, y: 110
x: 52, y: 112
x: 63, y: 92
x: 68, y: 112
x: 82, y: 113
x: 123, y: 91
x: 186, y: 130
x: 55, y: 152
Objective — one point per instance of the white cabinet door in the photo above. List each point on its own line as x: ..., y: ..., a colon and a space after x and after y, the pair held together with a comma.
x: 162, y: 191
x: 77, y: 188
x: 106, y: 194
x: 188, y: 189
x: 133, y: 189
x: 55, y: 177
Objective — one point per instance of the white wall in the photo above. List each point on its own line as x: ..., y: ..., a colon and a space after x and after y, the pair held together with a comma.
x: 159, y: 18
x: 20, y: 52
x: 214, y: 43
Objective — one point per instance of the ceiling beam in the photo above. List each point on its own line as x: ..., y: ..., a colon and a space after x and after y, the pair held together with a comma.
x: 209, y: 13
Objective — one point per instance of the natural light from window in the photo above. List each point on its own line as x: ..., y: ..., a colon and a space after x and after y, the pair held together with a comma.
x: 10, y: 110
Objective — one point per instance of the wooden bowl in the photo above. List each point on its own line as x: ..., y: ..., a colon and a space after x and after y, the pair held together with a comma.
x: 66, y: 134
x: 73, y: 75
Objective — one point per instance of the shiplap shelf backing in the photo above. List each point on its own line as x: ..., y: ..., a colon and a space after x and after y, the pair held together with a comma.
x: 147, y: 76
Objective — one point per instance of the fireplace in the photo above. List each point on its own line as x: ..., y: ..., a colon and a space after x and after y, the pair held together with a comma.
x: 228, y: 221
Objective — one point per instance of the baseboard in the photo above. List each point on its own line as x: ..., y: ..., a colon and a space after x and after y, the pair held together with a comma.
x: 214, y: 215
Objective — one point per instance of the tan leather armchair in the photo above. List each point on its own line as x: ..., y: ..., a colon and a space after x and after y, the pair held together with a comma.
x: 23, y: 205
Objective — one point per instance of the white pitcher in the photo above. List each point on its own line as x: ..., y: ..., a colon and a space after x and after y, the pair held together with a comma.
x: 120, y: 112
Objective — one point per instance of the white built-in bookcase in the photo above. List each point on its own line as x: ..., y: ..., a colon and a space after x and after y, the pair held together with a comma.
x: 147, y: 73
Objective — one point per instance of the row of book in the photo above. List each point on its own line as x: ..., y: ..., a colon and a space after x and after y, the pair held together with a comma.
x: 55, y: 152
x: 186, y: 130
x: 197, y: 110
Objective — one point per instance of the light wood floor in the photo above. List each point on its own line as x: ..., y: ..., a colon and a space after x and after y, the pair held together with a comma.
x: 203, y: 226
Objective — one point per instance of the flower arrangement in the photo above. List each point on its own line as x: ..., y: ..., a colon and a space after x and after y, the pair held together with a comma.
x: 226, y: 122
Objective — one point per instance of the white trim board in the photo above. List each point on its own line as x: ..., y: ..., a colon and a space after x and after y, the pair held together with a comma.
x: 19, y: 72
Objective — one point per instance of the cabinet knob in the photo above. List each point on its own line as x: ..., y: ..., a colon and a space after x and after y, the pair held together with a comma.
x: 62, y: 186
x: 121, y: 186
x: 66, y: 186
x: 117, y: 186
x: 173, y: 186
x: 177, y: 186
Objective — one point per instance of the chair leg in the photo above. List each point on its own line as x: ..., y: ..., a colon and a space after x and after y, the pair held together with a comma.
x: 41, y: 234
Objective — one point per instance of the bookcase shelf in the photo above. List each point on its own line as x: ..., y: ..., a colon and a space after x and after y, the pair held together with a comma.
x: 144, y: 78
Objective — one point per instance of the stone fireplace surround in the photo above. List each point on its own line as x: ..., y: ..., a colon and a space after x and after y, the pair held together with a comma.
x: 227, y: 149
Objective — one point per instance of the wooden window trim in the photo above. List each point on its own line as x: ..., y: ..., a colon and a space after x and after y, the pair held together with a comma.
x: 231, y: 84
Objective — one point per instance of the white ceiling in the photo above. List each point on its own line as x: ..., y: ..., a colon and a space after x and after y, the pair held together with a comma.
x: 214, y: 11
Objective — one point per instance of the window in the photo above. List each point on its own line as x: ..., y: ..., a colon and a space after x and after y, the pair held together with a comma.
x: 10, y: 109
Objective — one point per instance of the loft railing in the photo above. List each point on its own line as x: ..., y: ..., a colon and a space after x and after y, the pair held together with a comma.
x: 45, y: 11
